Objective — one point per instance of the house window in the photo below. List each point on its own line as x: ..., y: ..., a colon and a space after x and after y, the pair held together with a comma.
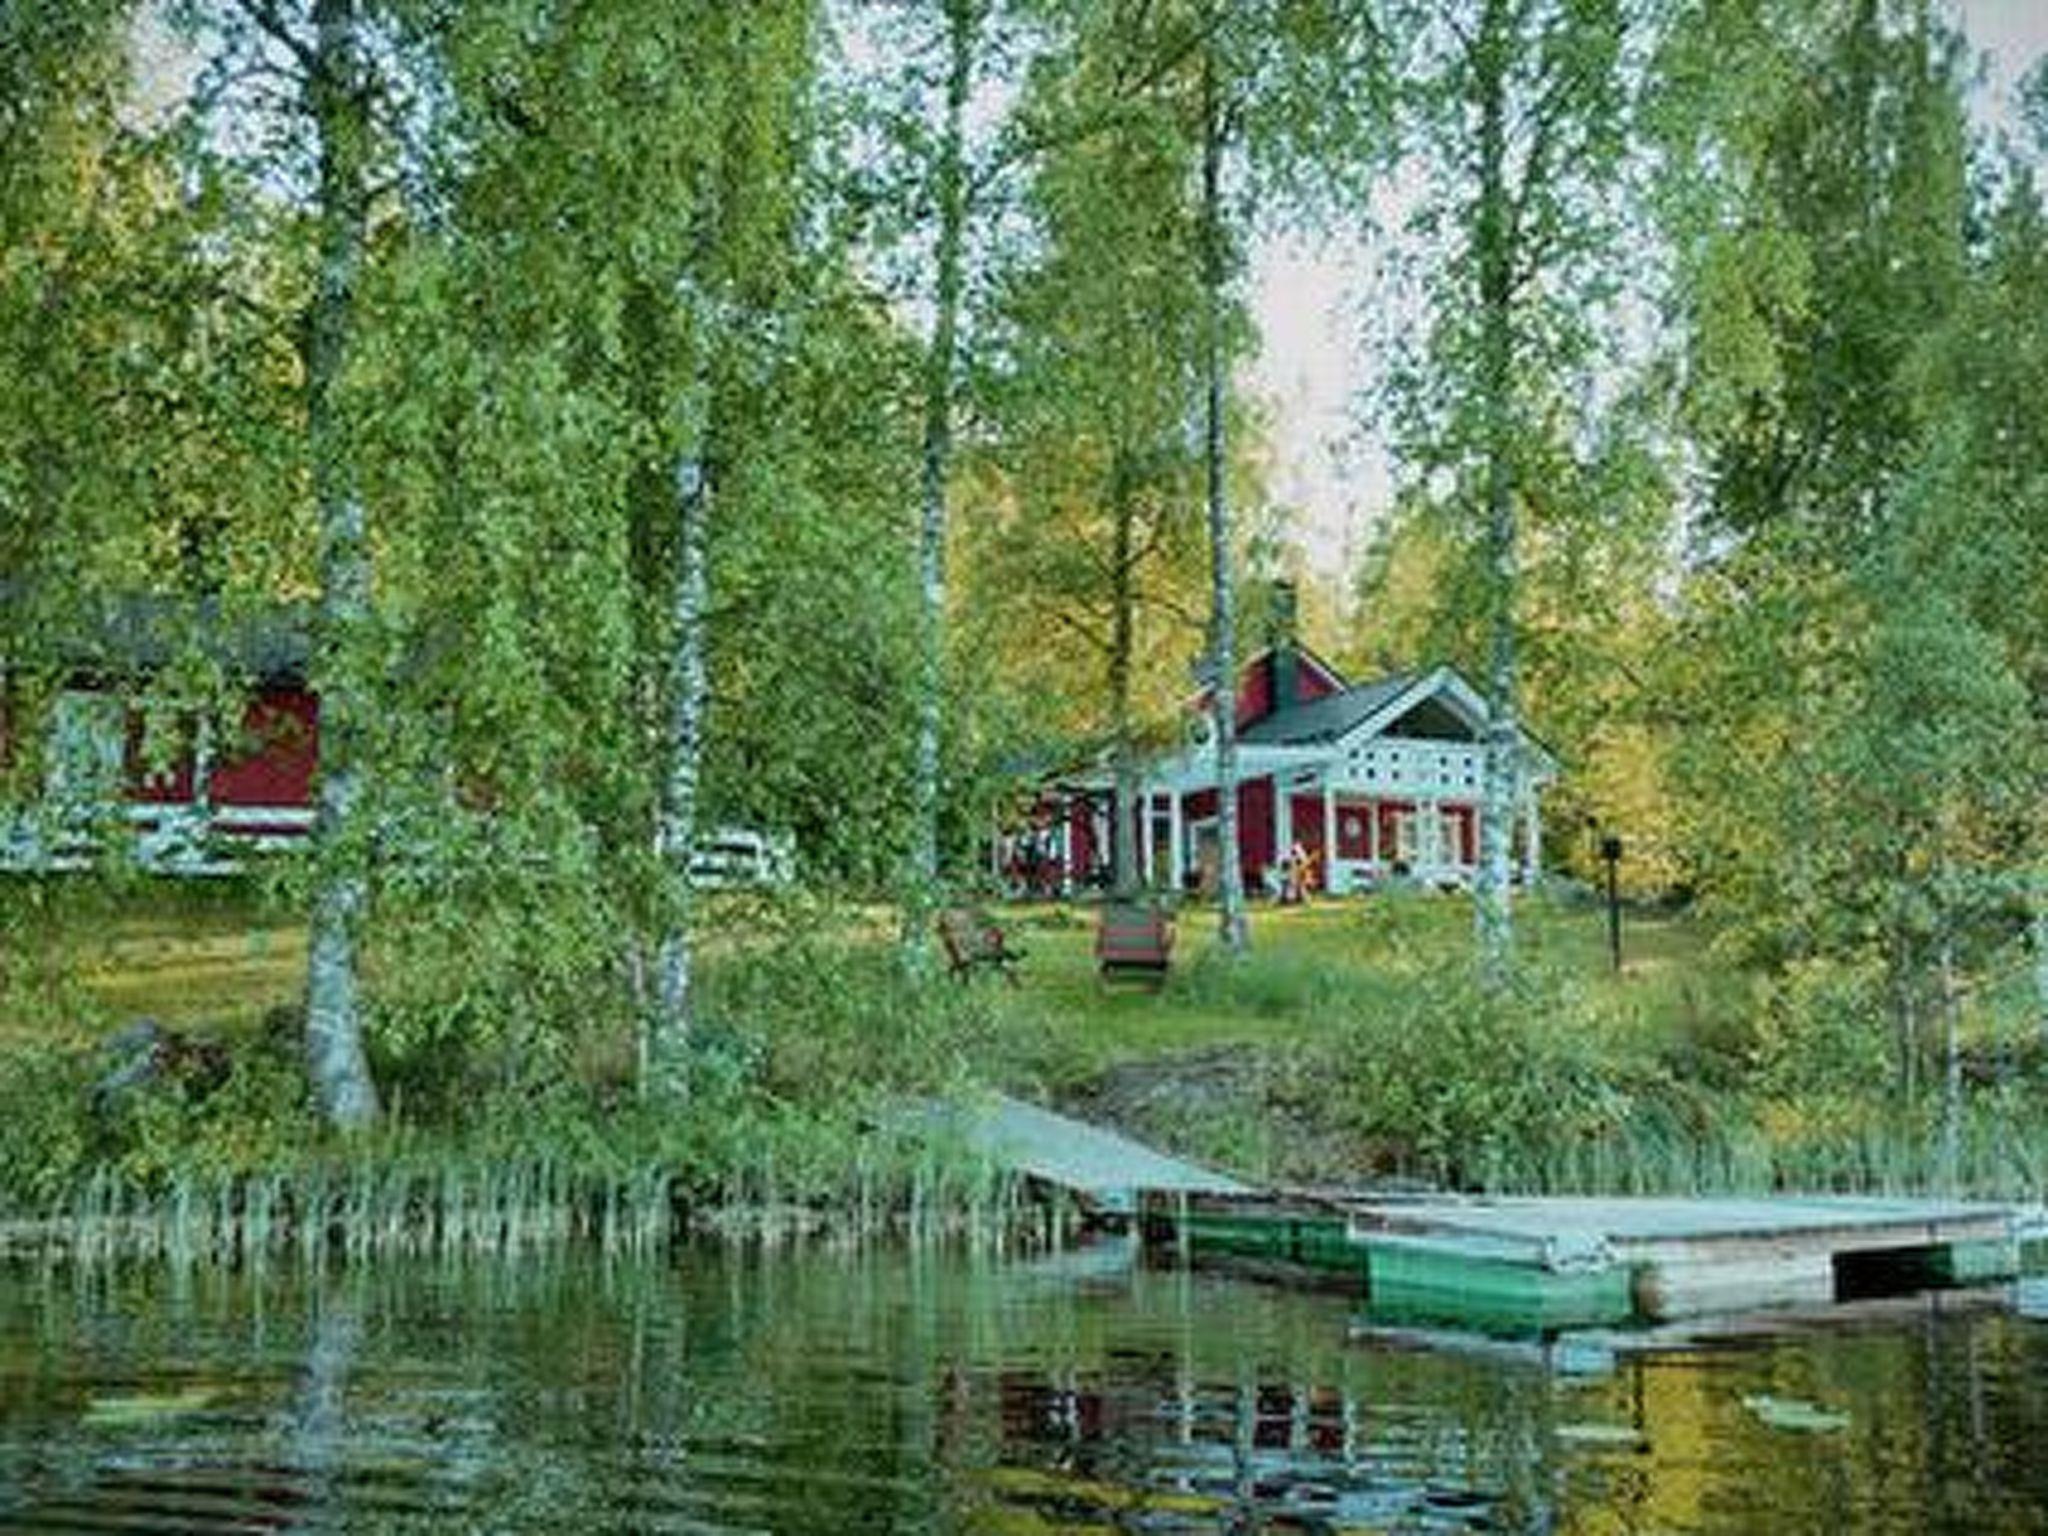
x: 88, y: 746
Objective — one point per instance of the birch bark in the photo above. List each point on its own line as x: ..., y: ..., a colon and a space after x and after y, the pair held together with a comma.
x: 962, y: 24
x: 1231, y: 928
x: 670, y: 1028
x: 1492, y: 914
x: 337, y: 91
x: 1122, y: 644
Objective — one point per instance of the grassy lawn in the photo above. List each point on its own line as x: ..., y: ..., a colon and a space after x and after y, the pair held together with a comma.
x: 1645, y: 1071
x: 1666, y: 972
x: 220, y: 958
x: 185, y: 955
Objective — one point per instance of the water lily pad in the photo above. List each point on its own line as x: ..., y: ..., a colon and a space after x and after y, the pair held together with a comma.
x: 146, y: 1407
x: 1793, y: 1413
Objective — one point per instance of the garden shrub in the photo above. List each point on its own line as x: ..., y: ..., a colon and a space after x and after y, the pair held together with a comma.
x: 1451, y: 1081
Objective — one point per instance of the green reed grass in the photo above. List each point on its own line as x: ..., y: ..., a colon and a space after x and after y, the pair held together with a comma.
x: 373, y: 1208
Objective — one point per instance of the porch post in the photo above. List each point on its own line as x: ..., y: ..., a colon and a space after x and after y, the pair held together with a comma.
x: 202, y: 771
x: 1066, y: 847
x: 1329, y: 835
x: 1146, y: 867
x: 1176, y: 853
x: 1283, y: 817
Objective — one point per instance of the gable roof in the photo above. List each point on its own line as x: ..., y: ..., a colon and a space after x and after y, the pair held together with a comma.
x: 135, y: 634
x: 1328, y: 718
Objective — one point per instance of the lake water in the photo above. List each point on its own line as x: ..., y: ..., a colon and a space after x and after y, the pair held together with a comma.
x: 830, y: 1392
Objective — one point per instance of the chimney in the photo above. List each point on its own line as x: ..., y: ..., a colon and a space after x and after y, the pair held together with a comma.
x: 1281, y: 636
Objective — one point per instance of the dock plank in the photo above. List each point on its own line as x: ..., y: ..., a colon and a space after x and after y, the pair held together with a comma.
x: 1106, y: 1167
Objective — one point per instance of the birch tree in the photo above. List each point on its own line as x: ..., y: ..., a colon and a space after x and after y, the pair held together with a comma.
x: 1517, y: 116
x: 1098, y: 371
x: 338, y: 89
x: 685, y: 283
x: 1222, y: 658
x: 332, y: 144
x: 963, y: 23
x: 1291, y: 93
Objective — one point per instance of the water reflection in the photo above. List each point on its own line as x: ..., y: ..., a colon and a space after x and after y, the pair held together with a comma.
x: 896, y: 1391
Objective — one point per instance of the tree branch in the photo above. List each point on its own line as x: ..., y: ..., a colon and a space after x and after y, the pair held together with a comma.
x: 264, y: 15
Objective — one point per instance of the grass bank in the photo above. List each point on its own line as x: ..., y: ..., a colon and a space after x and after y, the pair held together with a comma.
x: 1352, y: 1044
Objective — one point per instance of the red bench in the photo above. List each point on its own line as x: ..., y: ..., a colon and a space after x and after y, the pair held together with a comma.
x: 1134, y: 941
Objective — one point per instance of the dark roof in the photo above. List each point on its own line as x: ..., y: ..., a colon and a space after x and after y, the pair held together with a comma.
x: 141, y: 633
x: 1327, y: 718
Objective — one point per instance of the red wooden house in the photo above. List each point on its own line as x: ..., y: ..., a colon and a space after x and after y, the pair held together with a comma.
x: 1372, y: 781
x: 121, y: 749
x: 114, y: 747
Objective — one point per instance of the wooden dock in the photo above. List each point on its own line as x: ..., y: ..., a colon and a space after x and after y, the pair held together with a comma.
x: 1542, y: 1264
x: 1107, y: 1170
x: 1509, y: 1265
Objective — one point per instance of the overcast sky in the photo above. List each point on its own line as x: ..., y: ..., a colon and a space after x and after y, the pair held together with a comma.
x: 1332, y: 473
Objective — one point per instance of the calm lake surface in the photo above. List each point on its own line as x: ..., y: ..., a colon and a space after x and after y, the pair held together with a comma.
x: 823, y: 1391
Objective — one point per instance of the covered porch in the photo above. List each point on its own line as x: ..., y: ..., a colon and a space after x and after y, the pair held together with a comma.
x: 1393, y: 813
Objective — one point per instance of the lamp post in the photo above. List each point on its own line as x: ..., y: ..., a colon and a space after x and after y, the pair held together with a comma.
x: 1610, y: 852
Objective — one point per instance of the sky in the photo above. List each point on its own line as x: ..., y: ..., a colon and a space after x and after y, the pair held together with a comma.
x: 1329, y: 469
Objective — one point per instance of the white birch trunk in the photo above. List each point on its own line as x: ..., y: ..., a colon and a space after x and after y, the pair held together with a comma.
x: 1952, y: 1061
x: 1125, y: 872
x: 2038, y: 928
x: 338, y: 96
x: 962, y: 18
x: 668, y: 1042
x: 1231, y: 926
x: 1493, y: 916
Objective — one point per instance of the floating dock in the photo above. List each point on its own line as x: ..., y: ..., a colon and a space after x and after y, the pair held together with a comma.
x: 1543, y: 1264
x: 1510, y: 1265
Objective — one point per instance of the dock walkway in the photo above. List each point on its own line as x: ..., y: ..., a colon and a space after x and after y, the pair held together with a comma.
x: 1561, y: 1262
x: 1105, y: 1168
x: 1517, y: 1264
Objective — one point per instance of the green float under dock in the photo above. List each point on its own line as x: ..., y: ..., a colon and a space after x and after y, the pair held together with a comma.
x: 1507, y: 1265
x: 1541, y: 1265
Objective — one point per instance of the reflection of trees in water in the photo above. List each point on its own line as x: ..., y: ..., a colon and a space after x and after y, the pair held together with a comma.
x: 318, y: 1422
x: 1207, y: 1408
x: 826, y: 1391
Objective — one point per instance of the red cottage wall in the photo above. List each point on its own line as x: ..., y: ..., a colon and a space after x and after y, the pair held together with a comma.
x: 1255, y: 692
x: 1081, y: 831
x: 274, y: 762
x: 1312, y: 682
x: 1467, y: 818
x: 1307, y: 814
x: 1255, y: 830
x: 1354, y: 829
x: 1199, y: 805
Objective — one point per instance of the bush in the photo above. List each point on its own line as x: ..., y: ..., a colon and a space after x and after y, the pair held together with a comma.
x: 817, y: 1016
x: 46, y: 1134
x: 1823, y: 1033
x: 1450, y: 1081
